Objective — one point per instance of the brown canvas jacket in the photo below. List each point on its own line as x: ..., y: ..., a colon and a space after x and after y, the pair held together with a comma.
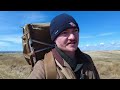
x: 87, y: 71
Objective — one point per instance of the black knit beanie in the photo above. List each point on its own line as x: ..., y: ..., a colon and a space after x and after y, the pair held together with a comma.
x: 61, y: 23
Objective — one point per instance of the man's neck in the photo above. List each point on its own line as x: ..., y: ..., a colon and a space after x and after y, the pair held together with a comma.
x: 70, y: 54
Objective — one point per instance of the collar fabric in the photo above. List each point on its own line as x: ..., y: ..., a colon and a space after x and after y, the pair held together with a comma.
x: 70, y: 61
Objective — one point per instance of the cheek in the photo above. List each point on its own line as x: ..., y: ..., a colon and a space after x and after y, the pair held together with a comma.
x: 77, y: 37
x: 61, y: 41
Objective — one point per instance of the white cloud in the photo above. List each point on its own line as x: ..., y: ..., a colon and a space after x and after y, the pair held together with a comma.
x: 95, y: 45
x: 86, y: 36
x: 113, y: 43
x: 32, y: 17
x: 4, y: 44
x: 10, y: 43
x: 103, y: 34
x: 106, y: 34
x: 101, y: 44
x: 7, y: 46
x: 11, y: 38
x: 87, y: 45
x: 36, y: 16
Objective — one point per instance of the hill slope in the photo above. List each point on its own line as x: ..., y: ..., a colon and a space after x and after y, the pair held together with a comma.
x: 14, y: 66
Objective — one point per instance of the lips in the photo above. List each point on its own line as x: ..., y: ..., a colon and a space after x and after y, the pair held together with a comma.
x: 72, y: 42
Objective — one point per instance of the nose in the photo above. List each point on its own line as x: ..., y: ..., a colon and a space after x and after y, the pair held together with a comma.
x: 71, y: 36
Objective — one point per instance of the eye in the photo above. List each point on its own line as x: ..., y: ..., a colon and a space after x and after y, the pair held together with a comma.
x: 64, y: 32
x: 75, y: 30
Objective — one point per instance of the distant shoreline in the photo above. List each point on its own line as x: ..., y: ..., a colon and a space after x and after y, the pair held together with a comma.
x: 10, y: 51
x: 81, y: 50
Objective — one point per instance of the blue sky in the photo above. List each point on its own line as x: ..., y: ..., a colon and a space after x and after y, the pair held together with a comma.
x: 99, y: 30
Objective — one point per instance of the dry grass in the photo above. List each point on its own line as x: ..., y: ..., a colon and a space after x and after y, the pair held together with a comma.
x: 14, y: 66
x: 107, y: 63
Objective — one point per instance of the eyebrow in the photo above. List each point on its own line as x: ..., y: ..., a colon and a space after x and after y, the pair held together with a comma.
x: 69, y: 29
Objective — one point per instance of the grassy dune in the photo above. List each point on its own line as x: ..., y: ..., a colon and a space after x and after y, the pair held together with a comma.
x: 14, y: 66
x: 107, y: 63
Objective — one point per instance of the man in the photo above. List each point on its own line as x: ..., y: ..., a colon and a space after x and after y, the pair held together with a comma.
x: 70, y: 62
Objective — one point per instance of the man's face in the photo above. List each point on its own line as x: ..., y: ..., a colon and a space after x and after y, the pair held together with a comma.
x: 68, y: 40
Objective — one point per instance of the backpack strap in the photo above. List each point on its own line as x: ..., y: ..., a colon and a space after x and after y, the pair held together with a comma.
x: 50, y: 66
x: 57, y: 56
x: 59, y: 61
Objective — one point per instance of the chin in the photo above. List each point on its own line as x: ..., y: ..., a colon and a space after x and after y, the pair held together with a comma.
x: 72, y: 49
